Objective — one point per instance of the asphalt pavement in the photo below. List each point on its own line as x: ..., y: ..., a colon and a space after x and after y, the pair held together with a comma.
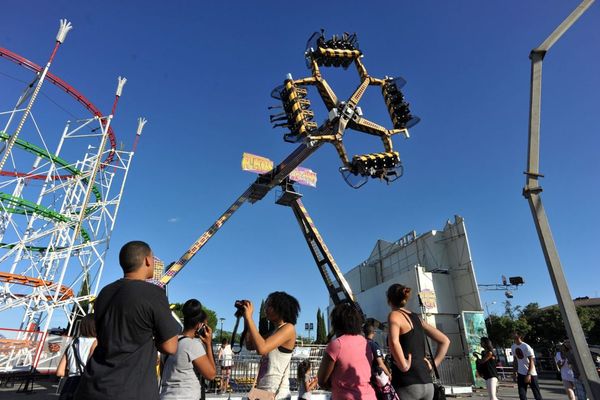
x: 46, y: 390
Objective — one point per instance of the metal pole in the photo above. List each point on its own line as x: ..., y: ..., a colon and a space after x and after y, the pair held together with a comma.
x: 532, y: 191
x: 487, y: 309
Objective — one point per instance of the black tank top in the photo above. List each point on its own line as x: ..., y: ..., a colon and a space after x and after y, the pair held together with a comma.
x: 487, y: 369
x: 412, y: 342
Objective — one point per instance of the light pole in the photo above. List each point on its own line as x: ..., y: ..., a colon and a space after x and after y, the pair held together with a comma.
x: 221, y: 333
x: 308, y: 326
x: 487, y: 309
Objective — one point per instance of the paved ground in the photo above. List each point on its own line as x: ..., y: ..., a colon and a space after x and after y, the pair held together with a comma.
x: 46, y: 390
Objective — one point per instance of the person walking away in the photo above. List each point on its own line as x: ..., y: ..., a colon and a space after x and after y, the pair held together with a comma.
x: 194, y: 355
x: 346, y: 364
x: 524, y: 367
x: 306, y: 383
x: 411, y: 370
x: 225, y: 357
x: 578, y: 386
x: 566, y: 372
x: 486, y: 366
x: 73, y: 361
x: 276, y: 349
x: 133, y: 320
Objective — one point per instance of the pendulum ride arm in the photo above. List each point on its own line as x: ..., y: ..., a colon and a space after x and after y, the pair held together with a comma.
x: 255, y: 192
x: 178, y: 265
x: 532, y: 192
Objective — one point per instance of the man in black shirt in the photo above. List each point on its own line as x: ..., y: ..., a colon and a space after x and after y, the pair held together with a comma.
x: 132, y: 320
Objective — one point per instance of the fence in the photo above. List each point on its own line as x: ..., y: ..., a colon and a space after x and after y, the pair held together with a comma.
x: 246, y: 365
x: 454, y: 371
x: 22, y: 350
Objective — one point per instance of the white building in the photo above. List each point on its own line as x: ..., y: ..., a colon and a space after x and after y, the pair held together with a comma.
x: 437, y: 265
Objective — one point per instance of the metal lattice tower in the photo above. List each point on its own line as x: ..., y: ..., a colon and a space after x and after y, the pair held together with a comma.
x: 60, y: 192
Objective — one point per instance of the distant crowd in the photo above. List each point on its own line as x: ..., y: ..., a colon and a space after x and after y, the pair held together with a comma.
x: 115, y: 354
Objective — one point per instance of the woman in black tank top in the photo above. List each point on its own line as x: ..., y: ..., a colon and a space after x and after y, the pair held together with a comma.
x: 411, y: 370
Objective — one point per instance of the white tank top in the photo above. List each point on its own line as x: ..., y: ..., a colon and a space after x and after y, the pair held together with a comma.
x: 84, y: 345
x: 275, y: 371
x: 226, y: 356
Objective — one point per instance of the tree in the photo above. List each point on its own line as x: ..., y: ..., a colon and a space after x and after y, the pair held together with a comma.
x: 85, y: 291
x: 321, y: 329
x: 76, y: 313
x: 211, y: 316
x: 501, y: 327
x: 547, y: 326
x: 264, y: 326
x: 510, y: 311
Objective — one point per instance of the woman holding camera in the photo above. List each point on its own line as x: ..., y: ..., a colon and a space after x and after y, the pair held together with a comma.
x: 282, y: 312
x: 194, y: 355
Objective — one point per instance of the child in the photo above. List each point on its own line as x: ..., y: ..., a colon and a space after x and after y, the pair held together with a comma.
x: 225, y: 357
x: 305, y: 383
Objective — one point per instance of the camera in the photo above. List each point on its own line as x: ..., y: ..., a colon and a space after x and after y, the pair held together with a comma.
x: 239, y: 305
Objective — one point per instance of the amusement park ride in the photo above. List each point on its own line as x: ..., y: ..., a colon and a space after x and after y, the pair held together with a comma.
x: 53, y: 247
x: 298, y: 118
x: 59, y: 197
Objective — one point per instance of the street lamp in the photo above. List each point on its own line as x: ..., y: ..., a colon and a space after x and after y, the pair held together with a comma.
x: 487, y: 309
x: 308, y: 326
x: 221, y: 334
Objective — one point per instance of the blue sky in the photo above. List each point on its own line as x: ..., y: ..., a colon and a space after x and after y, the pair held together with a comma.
x: 201, y: 72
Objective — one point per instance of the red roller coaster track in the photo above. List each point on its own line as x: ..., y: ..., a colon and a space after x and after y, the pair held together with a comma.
x: 17, y: 59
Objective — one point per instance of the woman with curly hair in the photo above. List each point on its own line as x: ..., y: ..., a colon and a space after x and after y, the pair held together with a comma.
x: 276, y: 349
x: 346, y: 364
x: 411, y: 371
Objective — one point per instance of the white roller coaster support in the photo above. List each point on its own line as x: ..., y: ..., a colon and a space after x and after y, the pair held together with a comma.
x: 39, y: 199
x: 65, y: 27
x: 77, y: 229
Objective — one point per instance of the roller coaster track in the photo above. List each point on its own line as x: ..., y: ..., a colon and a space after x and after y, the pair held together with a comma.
x: 26, y: 207
x: 38, y: 151
x: 70, y: 90
x: 6, y: 277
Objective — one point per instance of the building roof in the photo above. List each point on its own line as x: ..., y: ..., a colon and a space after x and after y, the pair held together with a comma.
x: 582, y: 302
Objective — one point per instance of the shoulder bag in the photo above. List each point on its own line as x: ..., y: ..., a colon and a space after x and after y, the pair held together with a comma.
x: 261, y: 394
x: 72, y: 382
x: 439, y: 392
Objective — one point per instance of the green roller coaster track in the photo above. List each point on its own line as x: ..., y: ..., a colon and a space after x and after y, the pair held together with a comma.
x: 17, y: 205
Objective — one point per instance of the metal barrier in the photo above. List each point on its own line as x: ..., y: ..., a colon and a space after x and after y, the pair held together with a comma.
x: 22, y: 350
x: 456, y: 371
x: 246, y: 365
x: 19, y: 349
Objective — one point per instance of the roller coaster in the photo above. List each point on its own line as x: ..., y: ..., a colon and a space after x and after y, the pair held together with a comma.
x: 56, y: 215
